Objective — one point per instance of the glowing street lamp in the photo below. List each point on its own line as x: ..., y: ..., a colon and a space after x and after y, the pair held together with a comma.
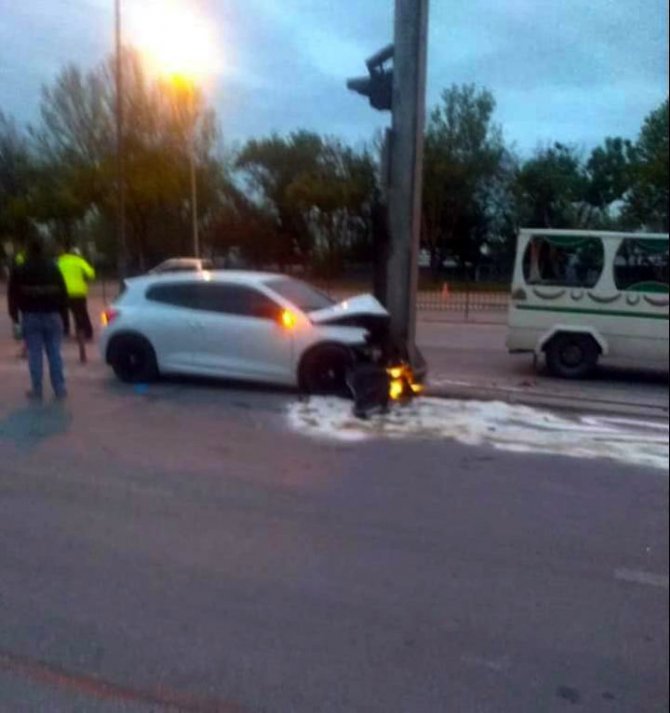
x: 174, y: 39
x: 180, y: 45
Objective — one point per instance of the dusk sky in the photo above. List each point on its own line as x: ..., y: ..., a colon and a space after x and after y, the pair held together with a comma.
x: 565, y: 70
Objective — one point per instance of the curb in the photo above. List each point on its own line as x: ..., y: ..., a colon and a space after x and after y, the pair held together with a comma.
x: 471, y: 392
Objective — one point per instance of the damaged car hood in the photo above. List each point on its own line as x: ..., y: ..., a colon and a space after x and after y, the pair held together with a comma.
x: 353, y: 311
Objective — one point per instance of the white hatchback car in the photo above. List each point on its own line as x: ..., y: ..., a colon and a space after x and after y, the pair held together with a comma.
x: 249, y: 326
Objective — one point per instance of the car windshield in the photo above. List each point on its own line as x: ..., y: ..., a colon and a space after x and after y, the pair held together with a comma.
x: 302, y: 295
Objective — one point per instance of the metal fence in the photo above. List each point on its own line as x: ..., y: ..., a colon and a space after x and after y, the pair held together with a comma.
x: 477, y: 299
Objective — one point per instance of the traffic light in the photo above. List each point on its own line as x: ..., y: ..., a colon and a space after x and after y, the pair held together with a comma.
x: 378, y: 86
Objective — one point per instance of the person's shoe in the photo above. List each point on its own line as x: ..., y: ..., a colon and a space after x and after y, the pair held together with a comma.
x: 61, y: 395
x: 34, y: 396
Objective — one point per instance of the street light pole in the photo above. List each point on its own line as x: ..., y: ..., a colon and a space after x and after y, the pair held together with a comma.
x: 122, y: 246
x: 192, y: 120
x: 194, y: 198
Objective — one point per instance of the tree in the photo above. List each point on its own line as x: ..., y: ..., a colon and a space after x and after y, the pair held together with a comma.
x: 463, y: 166
x: 647, y: 202
x: 335, y: 201
x: 318, y: 190
x: 243, y: 225
x: 165, y: 121
x: 550, y: 188
x: 609, y: 173
x: 271, y: 166
x: 17, y: 171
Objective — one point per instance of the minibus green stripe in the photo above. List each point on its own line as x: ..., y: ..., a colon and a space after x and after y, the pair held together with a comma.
x: 602, y: 312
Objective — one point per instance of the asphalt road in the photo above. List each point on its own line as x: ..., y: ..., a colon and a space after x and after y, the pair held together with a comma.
x: 474, y: 356
x: 180, y: 549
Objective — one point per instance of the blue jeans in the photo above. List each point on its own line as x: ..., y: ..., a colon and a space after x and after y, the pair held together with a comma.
x: 44, y: 333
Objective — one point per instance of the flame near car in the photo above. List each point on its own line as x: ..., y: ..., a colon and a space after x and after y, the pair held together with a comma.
x: 402, y: 383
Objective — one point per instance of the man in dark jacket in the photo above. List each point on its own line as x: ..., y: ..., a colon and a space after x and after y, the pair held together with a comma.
x: 37, y: 296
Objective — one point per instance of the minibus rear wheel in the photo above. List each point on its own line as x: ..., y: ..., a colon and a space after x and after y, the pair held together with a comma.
x: 572, y: 356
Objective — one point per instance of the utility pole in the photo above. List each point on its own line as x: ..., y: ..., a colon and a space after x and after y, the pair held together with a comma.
x: 194, y: 202
x: 406, y: 174
x: 192, y: 169
x: 122, y: 246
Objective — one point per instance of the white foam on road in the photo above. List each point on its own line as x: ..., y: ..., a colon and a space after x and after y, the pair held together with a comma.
x: 646, y: 579
x: 508, y: 427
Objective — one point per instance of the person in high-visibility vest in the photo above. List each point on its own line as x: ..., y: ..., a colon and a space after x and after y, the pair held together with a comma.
x: 77, y: 274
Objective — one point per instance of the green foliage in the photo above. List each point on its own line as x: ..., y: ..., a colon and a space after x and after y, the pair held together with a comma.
x: 609, y: 173
x: 301, y: 198
x: 271, y: 166
x: 334, y: 200
x: 16, y: 175
x: 164, y: 124
x: 549, y: 185
x: 647, y: 202
x: 319, y: 192
x: 464, y: 163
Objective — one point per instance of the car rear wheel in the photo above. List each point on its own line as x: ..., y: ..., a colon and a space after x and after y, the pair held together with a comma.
x: 572, y: 356
x: 324, y: 370
x: 133, y: 359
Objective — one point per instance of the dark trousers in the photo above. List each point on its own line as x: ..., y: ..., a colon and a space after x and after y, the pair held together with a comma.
x: 82, y: 321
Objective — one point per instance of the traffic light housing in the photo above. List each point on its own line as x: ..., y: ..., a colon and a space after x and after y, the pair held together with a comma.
x: 378, y: 86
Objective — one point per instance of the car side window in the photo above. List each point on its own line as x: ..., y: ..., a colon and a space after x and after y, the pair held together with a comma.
x: 237, y: 300
x: 176, y: 294
x: 641, y: 265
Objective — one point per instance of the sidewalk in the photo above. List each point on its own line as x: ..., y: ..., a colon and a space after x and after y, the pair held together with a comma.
x: 469, y: 360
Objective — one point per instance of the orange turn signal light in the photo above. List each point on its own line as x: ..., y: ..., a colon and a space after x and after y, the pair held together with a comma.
x: 288, y: 319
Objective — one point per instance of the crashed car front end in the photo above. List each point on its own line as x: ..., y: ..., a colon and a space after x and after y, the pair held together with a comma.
x: 380, y: 366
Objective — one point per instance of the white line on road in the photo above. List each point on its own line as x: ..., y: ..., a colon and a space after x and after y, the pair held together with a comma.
x: 634, y: 422
x: 647, y: 579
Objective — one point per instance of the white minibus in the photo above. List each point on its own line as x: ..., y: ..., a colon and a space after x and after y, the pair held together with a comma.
x: 581, y: 295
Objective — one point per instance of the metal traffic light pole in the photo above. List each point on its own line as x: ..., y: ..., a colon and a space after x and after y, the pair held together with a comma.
x: 401, y: 90
x: 405, y: 177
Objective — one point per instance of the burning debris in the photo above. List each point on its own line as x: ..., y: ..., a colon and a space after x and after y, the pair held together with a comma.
x: 402, y: 383
x: 375, y: 387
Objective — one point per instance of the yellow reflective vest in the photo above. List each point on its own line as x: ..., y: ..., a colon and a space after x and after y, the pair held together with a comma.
x: 77, y: 274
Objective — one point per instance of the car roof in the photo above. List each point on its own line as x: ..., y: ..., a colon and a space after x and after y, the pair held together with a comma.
x: 607, y: 234
x: 181, y: 259
x: 237, y: 276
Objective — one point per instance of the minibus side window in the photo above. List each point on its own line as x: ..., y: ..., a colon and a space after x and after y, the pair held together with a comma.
x: 563, y: 261
x: 641, y: 265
